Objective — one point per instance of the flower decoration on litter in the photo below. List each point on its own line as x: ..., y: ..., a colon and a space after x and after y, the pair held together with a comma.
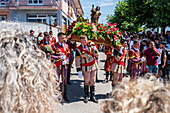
x: 96, y: 31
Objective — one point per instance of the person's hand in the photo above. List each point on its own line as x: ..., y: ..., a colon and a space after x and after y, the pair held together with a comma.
x: 154, y: 48
x: 163, y: 66
x: 80, y: 74
x: 124, y: 71
x: 143, y: 59
x: 64, y: 62
x: 95, y: 48
x: 63, y: 57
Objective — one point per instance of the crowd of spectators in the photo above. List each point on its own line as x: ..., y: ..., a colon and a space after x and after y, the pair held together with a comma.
x: 155, y: 48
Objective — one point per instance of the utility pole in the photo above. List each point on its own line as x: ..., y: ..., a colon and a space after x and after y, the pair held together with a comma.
x: 50, y: 22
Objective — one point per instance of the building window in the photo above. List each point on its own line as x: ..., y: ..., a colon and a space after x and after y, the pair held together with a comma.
x: 35, y: 2
x: 3, y: 17
x: 41, y: 18
x: 3, y: 3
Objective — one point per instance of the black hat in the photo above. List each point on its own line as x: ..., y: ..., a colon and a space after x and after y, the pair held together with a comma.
x: 46, y: 34
x: 32, y: 31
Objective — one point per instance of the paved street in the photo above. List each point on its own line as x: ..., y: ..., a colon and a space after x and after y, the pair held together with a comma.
x: 75, y: 92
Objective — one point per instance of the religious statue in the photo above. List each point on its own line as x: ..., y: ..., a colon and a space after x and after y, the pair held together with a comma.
x: 95, y: 14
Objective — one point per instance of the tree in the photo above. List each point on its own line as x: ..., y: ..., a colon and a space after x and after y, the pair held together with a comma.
x: 131, y: 14
x: 162, y: 12
x: 152, y: 13
x: 122, y: 17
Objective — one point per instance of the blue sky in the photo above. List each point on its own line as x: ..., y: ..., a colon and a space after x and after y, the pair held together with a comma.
x: 106, y: 7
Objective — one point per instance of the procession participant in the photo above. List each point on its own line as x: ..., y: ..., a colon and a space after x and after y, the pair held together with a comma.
x: 119, y: 64
x: 97, y: 58
x: 86, y: 64
x: 135, y: 60
x: 108, y: 62
x: 60, y: 57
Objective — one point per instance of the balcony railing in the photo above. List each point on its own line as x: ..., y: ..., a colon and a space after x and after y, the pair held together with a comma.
x: 7, y: 3
x: 40, y: 2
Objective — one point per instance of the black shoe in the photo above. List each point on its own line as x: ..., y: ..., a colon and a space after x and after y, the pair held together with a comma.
x: 66, y: 99
x: 93, y: 99
x: 92, y: 94
x: 86, y: 93
x: 86, y: 99
x: 65, y: 94
x: 108, y: 95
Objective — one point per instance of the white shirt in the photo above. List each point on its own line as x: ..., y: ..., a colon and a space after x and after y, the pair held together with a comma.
x: 61, y: 44
x: 135, y: 49
x: 159, y: 58
x: 131, y: 44
x: 86, y: 47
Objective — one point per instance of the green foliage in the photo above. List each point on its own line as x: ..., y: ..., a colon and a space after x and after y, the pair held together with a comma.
x: 131, y: 14
x: 122, y: 16
x: 83, y: 28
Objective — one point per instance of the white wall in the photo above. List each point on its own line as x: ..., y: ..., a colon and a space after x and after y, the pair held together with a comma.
x: 38, y: 28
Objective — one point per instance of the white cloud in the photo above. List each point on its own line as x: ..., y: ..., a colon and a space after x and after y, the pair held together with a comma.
x: 106, y: 4
x: 103, y: 3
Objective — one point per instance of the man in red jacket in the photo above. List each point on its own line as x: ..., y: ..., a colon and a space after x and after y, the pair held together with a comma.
x: 151, y: 54
x: 60, y: 57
